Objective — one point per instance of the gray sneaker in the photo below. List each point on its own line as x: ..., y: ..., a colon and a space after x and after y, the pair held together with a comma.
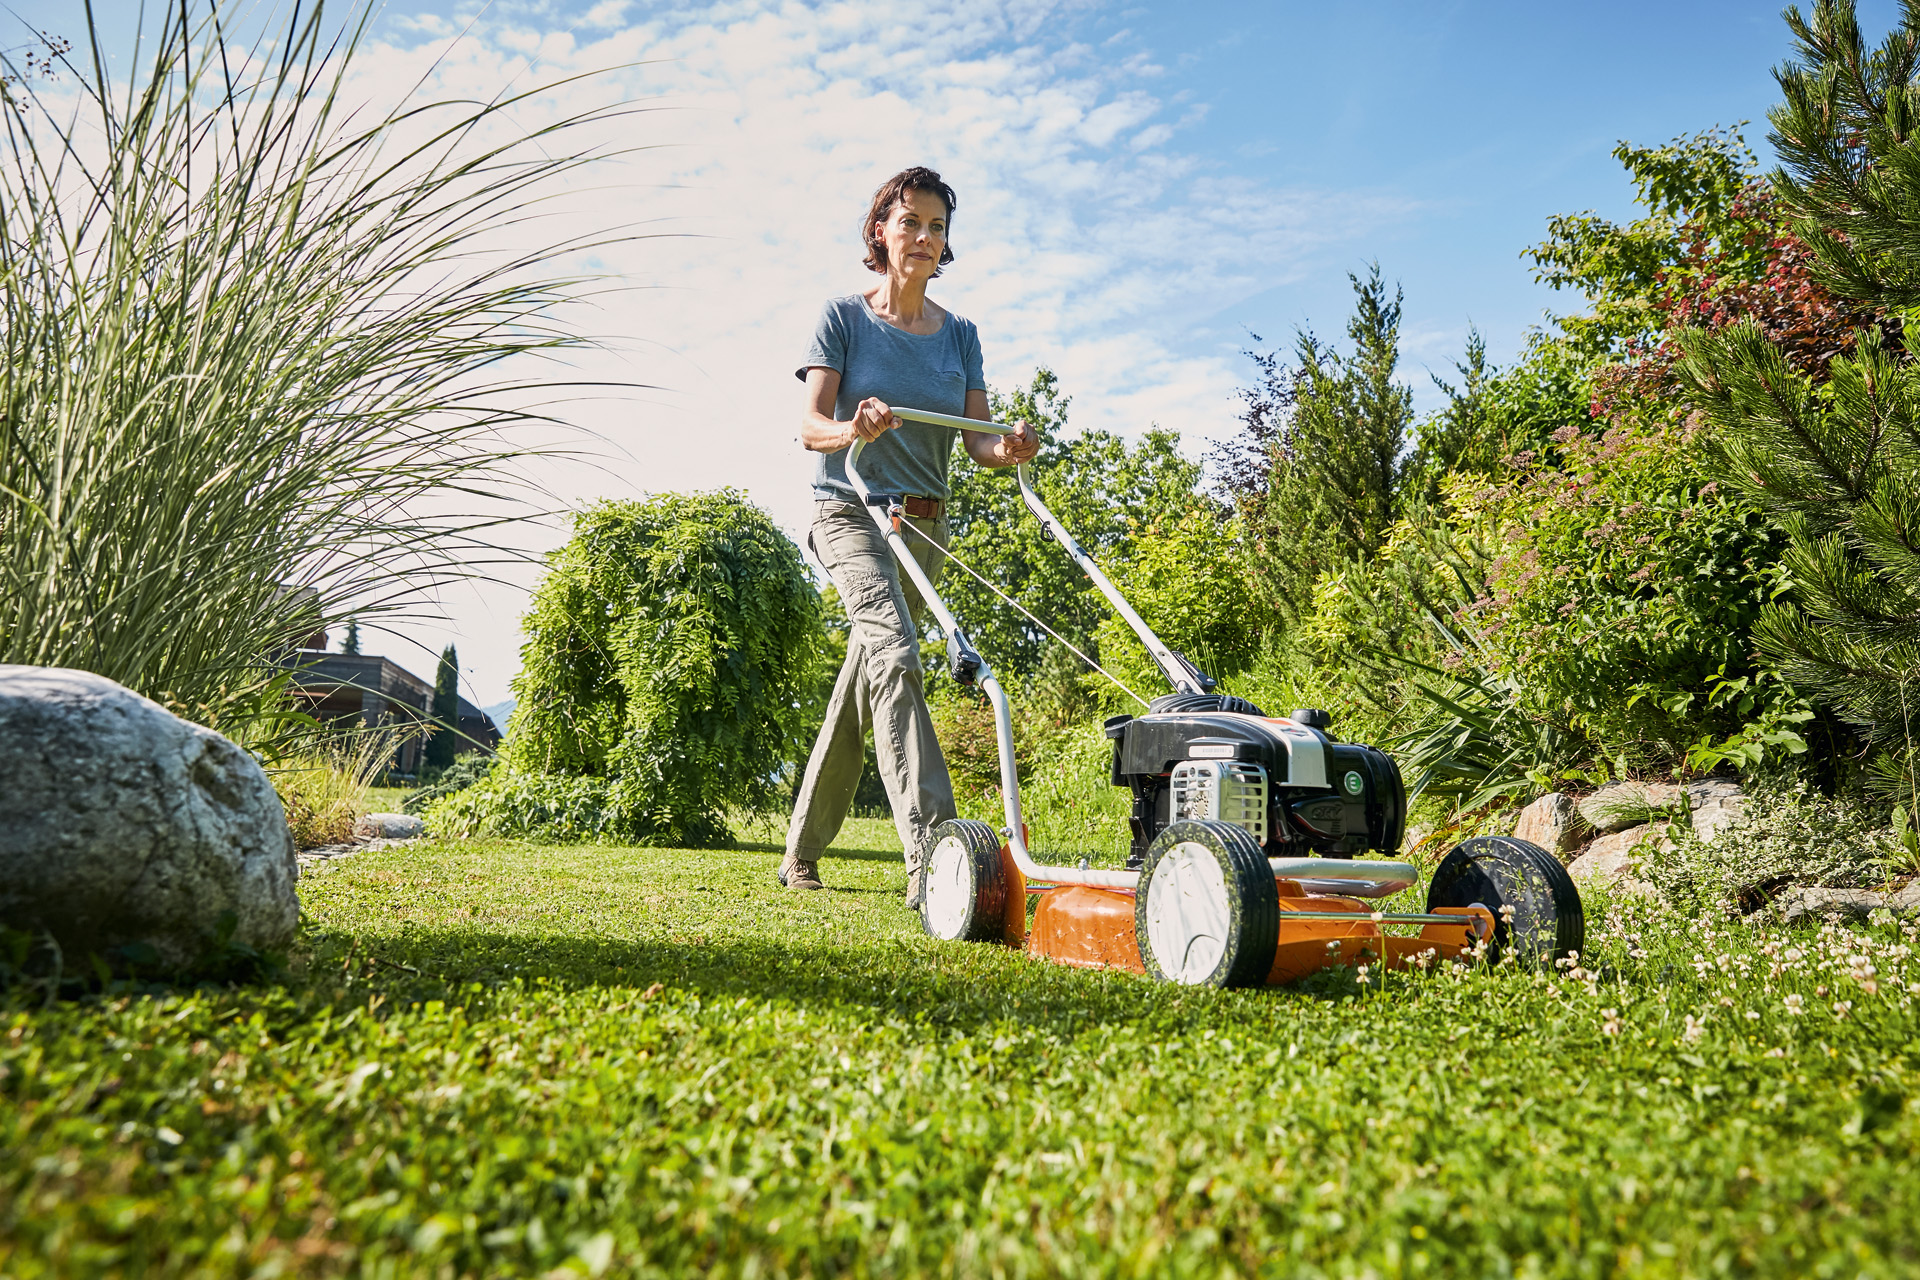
x: 795, y: 874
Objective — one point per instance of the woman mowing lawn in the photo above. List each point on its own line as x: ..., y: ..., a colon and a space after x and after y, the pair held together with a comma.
x: 891, y: 345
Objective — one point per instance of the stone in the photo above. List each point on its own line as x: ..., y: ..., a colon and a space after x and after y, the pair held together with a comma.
x: 389, y: 826
x: 1608, y: 861
x: 1552, y: 822
x: 1716, y: 805
x: 1828, y: 904
x: 1620, y: 805
x: 1906, y: 900
x: 123, y: 824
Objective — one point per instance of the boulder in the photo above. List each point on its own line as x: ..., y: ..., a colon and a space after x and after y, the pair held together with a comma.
x: 1620, y: 805
x: 1552, y: 822
x: 389, y: 826
x: 1608, y: 861
x: 1716, y: 805
x: 1906, y: 900
x: 1828, y: 904
x: 123, y: 824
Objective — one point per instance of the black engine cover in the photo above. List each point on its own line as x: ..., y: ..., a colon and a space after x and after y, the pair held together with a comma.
x: 1327, y: 797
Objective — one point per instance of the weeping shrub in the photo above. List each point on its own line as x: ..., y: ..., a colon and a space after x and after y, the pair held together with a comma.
x: 670, y: 650
x: 249, y: 333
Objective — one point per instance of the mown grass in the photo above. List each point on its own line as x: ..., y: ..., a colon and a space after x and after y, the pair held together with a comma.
x: 497, y: 1059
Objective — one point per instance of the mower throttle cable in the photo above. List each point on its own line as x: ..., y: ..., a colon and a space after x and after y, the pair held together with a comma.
x: 908, y: 524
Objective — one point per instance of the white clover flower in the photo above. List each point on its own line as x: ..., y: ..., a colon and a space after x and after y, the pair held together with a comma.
x: 1795, y: 1004
x: 1753, y: 1015
x: 1841, y: 1008
x: 1695, y: 1029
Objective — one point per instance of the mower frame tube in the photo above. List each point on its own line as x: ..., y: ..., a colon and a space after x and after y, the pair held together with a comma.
x: 1179, y: 674
x: 1352, y: 877
x: 1015, y: 831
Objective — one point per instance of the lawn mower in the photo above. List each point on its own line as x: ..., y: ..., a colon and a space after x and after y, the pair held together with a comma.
x: 1244, y: 866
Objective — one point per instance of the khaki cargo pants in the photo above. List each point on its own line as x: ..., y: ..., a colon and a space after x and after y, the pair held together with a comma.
x: 880, y: 688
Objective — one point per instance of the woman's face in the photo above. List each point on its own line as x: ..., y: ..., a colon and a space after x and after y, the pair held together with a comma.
x: 914, y: 234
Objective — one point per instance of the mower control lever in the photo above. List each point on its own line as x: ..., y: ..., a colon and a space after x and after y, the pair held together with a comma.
x: 962, y: 661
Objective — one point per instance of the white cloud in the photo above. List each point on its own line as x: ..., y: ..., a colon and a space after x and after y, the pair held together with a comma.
x: 1087, y: 240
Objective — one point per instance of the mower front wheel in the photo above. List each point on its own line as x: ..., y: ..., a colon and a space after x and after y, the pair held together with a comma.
x: 966, y: 893
x: 1537, y: 913
x: 1207, y: 911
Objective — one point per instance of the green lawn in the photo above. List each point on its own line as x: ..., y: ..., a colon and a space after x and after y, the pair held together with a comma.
x: 501, y: 1059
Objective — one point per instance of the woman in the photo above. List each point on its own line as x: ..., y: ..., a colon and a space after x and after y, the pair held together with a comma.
x: 891, y: 345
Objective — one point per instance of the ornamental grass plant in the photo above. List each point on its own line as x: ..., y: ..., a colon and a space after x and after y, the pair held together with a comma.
x: 261, y: 350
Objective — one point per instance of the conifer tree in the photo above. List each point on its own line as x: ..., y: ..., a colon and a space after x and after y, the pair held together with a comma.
x: 350, y: 644
x: 1838, y: 464
x: 445, y: 739
x: 1339, y: 476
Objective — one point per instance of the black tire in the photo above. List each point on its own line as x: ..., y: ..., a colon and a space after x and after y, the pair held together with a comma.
x: 1203, y: 702
x: 1225, y: 934
x: 1548, y: 922
x: 966, y: 892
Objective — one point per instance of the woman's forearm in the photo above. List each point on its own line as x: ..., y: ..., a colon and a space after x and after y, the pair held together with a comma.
x: 822, y: 434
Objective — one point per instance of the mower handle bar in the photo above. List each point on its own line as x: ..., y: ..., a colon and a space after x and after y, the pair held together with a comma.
x: 1357, y: 877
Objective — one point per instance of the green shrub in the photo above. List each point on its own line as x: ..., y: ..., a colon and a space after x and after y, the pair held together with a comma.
x: 534, y: 806
x: 670, y: 651
x: 1188, y: 578
x: 1788, y: 836
x: 1623, y: 596
x: 464, y: 772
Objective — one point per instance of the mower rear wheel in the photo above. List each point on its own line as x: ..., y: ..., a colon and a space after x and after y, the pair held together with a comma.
x: 1207, y: 911
x: 966, y: 893
x: 1546, y: 923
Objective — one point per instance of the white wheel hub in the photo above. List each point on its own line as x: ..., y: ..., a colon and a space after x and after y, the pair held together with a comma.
x: 1188, y: 914
x: 950, y: 890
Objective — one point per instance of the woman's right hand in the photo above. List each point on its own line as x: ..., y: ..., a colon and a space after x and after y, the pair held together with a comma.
x: 872, y: 420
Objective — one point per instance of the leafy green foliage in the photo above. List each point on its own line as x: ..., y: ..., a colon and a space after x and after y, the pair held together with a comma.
x: 227, y: 392
x: 1496, y: 414
x: 669, y: 651
x: 464, y: 772
x: 532, y: 806
x: 1102, y: 488
x: 1692, y: 190
x: 1188, y: 579
x: 1787, y: 836
x: 495, y: 1059
x: 1625, y: 582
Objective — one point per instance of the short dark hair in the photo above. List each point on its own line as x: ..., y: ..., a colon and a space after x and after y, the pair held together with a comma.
x: 918, y: 178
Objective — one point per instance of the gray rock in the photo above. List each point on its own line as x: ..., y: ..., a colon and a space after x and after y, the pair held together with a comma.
x: 121, y: 823
x: 1716, y: 805
x: 1828, y: 904
x: 1552, y: 822
x: 1906, y: 900
x: 1630, y: 804
x: 389, y: 826
x: 1609, y: 861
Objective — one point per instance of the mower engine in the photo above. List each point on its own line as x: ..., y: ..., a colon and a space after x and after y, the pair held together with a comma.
x: 1285, y: 782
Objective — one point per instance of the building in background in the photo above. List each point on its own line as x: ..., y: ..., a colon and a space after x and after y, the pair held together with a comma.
x: 368, y: 691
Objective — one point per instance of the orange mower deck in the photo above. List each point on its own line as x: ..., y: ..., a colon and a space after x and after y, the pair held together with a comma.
x: 1094, y: 928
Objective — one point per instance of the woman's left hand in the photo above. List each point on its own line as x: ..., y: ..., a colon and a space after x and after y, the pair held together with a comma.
x: 1021, y: 444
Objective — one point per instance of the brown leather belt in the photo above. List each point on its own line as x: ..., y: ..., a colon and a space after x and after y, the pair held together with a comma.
x: 922, y: 508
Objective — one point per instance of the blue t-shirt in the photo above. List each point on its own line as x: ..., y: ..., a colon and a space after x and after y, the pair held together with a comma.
x: 905, y: 370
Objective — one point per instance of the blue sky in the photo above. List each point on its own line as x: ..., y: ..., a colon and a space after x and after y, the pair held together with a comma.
x: 1141, y: 187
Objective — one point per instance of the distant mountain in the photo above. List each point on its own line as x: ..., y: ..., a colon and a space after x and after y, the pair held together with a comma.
x: 498, y: 713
